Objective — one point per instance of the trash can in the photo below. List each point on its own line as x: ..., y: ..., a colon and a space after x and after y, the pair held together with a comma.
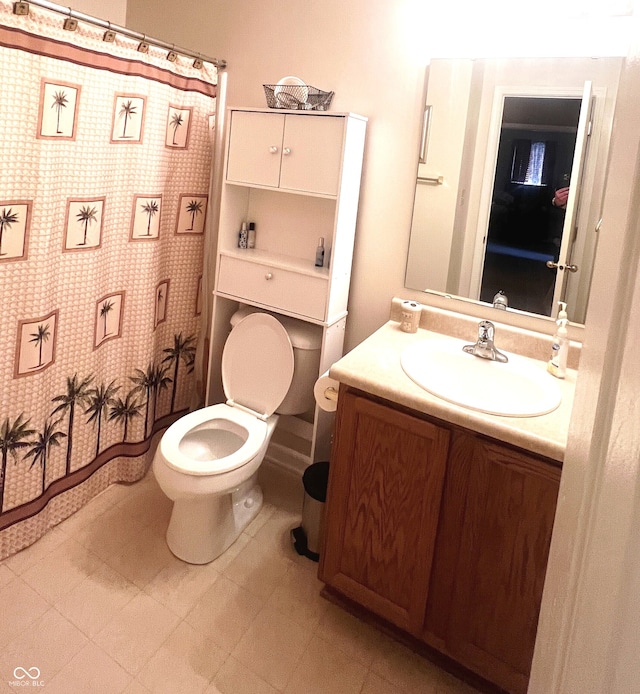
x: 308, y: 536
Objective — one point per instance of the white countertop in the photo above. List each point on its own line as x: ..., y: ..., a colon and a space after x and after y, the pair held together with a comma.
x: 374, y: 367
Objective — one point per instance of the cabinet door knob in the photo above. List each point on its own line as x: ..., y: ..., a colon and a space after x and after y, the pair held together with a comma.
x: 286, y: 151
x: 273, y: 149
x: 269, y: 276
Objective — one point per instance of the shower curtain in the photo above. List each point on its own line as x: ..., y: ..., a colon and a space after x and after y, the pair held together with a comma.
x: 104, y: 190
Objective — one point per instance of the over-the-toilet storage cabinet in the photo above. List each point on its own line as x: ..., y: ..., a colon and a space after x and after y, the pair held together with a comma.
x: 297, y: 176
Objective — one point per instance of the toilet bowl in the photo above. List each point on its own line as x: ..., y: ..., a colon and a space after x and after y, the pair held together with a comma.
x: 207, y: 461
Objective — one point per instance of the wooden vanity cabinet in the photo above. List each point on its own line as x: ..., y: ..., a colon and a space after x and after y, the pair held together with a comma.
x: 470, y: 584
x: 386, y: 477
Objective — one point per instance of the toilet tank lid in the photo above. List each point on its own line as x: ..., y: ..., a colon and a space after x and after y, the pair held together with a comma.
x: 302, y: 335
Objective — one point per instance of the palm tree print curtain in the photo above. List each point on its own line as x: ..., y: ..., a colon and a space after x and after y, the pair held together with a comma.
x: 106, y: 158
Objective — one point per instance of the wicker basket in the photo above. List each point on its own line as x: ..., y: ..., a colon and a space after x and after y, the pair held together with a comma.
x: 294, y: 97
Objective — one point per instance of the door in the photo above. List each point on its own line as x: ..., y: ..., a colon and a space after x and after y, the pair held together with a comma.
x: 504, y: 504
x: 312, y: 154
x: 255, y: 148
x: 526, y: 241
x: 570, y: 228
x: 385, y: 487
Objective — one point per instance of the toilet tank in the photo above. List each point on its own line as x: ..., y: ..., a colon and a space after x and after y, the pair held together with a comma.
x: 306, y: 340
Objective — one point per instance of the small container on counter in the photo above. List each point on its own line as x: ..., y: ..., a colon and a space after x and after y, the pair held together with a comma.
x: 411, y: 312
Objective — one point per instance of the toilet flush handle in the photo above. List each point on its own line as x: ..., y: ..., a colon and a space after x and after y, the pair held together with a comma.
x: 269, y: 276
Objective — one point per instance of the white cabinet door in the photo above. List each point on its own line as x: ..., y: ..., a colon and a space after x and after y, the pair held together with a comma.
x: 255, y: 148
x: 312, y: 154
x: 291, y: 152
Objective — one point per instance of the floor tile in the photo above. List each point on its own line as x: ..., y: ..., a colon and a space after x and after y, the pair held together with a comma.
x: 133, y: 636
x: 298, y: 596
x: 99, y: 604
x: 356, y: 638
x: 374, y: 684
x: 272, y: 647
x: 21, y: 607
x: 324, y: 669
x: 106, y: 535
x: 48, y: 644
x: 90, y: 670
x: 141, y: 558
x: 258, y: 568
x: 60, y: 571
x: 221, y: 562
x: 224, y: 613
x: 234, y: 678
x: 179, y: 585
x: 92, y: 604
x: 406, y: 670
x: 6, y: 575
x: 184, y: 664
x: 136, y: 688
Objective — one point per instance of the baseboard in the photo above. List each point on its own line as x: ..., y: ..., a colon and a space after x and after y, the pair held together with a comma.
x: 286, y: 459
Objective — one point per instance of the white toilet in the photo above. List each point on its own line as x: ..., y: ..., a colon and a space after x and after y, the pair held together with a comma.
x: 207, y: 462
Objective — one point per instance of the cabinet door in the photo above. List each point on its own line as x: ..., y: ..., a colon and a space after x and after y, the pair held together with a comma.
x: 386, y: 477
x: 255, y: 148
x: 312, y: 154
x: 506, y: 509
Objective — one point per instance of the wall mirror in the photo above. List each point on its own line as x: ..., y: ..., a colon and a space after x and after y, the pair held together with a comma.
x: 511, y: 175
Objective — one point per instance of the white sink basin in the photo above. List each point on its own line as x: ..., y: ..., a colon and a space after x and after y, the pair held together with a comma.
x: 519, y: 388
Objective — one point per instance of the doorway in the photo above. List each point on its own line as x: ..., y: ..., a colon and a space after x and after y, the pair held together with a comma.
x: 525, y: 231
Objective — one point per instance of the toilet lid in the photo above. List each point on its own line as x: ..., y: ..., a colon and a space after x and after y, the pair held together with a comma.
x: 257, y: 364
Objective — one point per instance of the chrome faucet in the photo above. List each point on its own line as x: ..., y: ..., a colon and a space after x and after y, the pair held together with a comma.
x: 484, y: 347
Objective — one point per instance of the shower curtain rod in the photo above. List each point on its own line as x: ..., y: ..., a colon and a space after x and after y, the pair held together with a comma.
x: 22, y: 8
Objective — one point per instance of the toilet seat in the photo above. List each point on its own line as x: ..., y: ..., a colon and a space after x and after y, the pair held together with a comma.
x: 218, y: 417
x: 257, y: 370
x: 257, y: 364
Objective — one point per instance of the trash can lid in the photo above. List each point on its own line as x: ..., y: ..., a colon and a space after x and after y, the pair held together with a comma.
x: 315, y: 480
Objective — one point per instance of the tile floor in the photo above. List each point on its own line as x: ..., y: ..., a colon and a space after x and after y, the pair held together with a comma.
x: 100, y: 605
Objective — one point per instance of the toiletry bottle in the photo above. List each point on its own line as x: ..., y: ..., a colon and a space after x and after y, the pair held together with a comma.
x: 557, y: 365
x: 251, y: 239
x: 320, y: 252
x: 243, y: 236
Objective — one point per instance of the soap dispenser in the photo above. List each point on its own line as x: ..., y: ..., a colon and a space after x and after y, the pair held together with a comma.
x: 557, y: 365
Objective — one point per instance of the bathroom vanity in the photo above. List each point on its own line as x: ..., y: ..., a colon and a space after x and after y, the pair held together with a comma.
x: 439, y: 518
x: 296, y: 175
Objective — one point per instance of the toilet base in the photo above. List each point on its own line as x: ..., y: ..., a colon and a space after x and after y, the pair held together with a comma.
x: 200, y: 530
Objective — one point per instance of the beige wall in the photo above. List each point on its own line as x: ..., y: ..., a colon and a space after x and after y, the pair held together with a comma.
x: 356, y: 49
x: 114, y: 11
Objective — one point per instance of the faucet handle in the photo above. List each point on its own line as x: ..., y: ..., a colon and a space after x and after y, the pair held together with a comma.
x: 486, y: 331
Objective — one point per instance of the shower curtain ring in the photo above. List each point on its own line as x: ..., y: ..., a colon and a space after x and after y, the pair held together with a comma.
x: 197, y: 63
x: 70, y: 24
x: 143, y: 46
x: 172, y: 56
x: 109, y: 36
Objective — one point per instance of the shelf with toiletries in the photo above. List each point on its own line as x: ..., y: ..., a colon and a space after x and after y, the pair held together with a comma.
x: 295, y: 177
